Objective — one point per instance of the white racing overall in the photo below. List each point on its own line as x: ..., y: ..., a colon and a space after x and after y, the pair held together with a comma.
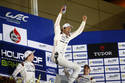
x: 27, y: 71
x: 85, y: 79
x: 60, y: 44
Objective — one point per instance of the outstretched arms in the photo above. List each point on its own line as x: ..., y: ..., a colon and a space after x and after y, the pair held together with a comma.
x: 80, y: 29
x: 58, y: 19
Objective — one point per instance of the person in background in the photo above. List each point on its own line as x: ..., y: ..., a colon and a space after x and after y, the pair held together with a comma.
x: 85, y: 78
x: 26, y: 68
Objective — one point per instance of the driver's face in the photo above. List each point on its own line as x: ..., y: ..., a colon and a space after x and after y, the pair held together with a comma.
x: 86, y: 71
x: 67, y: 30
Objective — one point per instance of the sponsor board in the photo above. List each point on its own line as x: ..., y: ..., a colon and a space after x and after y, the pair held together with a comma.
x: 77, y: 48
x: 95, y: 62
x: 81, y: 62
x: 99, y: 82
x: 51, y: 70
x: 98, y: 77
x: 122, y: 53
x: 113, y: 81
x: 123, y: 76
x: 49, y: 61
x: 0, y: 36
x: 12, y: 54
x: 68, y: 49
x: 39, y: 45
x: 105, y: 50
x: 113, y: 76
x: 81, y: 55
x: 111, y: 61
x: 68, y: 56
x: 121, y: 45
x: 19, y: 29
x: 14, y: 34
x: 51, y: 78
x: 109, y: 69
x: 122, y: 60
x: 122, y: 68
x: 99, y: 69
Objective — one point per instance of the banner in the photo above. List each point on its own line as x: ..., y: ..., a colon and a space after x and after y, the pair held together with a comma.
x: 12, y: 54
x: 20, y: 32
x: 106, y: 50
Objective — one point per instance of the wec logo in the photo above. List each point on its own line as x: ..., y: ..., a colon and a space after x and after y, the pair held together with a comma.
x: 19, y: 17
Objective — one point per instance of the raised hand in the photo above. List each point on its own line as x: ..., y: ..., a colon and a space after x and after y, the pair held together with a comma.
x: 84, y: 18
x: 63, y: 9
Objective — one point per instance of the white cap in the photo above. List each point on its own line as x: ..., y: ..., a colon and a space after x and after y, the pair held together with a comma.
x: 67, y: 25
x: 27, y: 53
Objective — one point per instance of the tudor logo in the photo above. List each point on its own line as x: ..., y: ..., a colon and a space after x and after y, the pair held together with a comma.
x: 15, y: 36
x: 102, y: 48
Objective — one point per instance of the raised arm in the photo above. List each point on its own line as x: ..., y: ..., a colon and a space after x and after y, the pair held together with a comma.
x: 80, y: 29
x: 57, y: 22
x: 17, y: 70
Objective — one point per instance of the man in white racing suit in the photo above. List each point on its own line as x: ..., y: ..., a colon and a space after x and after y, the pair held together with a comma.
x: 85, y: 78
x: 61, y: 40
x: 26, y: 68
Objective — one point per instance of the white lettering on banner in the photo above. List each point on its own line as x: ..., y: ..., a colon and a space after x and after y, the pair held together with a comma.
x: 81, y: 62
x: 99, y: 69
x: 11, y: 54
x: 81, y: 55
x: 51, y: 79
x: 113, y: 76
x: 0, y: 36
x: 98, y: 77
x: 94, y: 62
x: 39, y: 45
x: 111, y: 61
x: 123, y: 76
x: 79, y: 47
x: 19, y: 17
x: 68, y: 56
x: 122, y: 68
x: 18, y: 56
x: 50, y: 70
x: 14, y: 34
x: 122, y: 60
x: 49, y: 61
x: 102, y: 53
x: 121, y: 45
x: 112, y: 69
x: 37, y: 59
x: 121, y: 52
